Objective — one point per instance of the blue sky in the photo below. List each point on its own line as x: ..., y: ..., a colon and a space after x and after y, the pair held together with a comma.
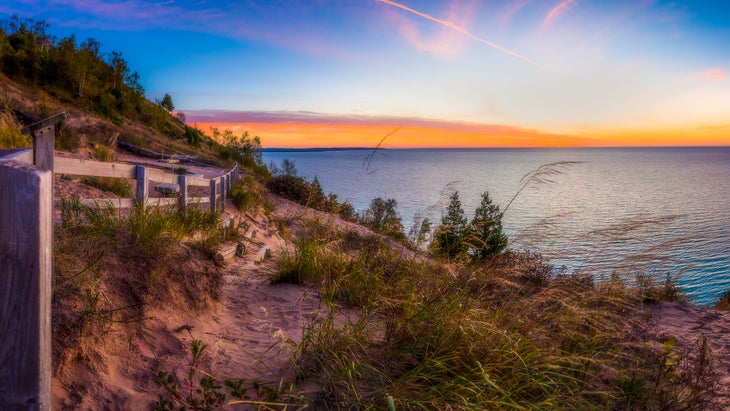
x: 594, y: 72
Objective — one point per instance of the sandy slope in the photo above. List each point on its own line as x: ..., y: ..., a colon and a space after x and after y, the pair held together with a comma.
x: 687, y: 324
x: 248, y: 331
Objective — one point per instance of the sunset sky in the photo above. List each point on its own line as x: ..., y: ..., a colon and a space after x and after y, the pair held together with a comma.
x: 432, y: 73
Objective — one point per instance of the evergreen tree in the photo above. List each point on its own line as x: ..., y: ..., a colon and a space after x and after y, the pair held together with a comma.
x: 485, y: 237
x: 448, y: 237
x: 382, y: 217
x: 167, y: 103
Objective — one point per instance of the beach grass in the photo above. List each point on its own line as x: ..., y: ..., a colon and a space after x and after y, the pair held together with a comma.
x: 512, y: 333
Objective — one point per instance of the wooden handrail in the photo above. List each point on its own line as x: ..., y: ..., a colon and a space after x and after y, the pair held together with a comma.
x: 220, y: 186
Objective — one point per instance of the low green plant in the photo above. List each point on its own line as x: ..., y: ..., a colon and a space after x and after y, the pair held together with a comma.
x: 119, y: 186
x: 10, y: 135
x: 103, y: 153
x: 382, y: 217
x: 651, y: 291
x: 247, y: 194
x: 199, y: 390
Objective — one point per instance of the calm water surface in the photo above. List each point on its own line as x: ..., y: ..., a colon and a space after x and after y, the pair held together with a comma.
x: 655, y: 210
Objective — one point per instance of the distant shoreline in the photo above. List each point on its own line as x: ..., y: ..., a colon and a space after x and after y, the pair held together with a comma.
x: 314, y: 149
x: 324, y: 149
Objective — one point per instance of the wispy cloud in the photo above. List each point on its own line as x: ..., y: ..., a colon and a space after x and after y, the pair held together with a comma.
x: 714, y: 74
x: 558, y: 11
x: 458, y: 29
x: 441, y: 41
x: 513, y: 7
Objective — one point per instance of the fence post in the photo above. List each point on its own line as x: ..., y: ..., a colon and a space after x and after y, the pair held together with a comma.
x: 26, y: 266
x: 182, y: 180
x: 235, y: 174
x: 44, y: 133
x: 142, y: 193
x: 223, y: 192
x: 212, y: 195
x: 228, y: 184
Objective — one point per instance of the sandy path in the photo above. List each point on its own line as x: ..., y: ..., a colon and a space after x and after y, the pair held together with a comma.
x: 687, y: 324
x: 249, y: 332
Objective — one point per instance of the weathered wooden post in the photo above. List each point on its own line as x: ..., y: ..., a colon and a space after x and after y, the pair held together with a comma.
x: 223, y: 192
x: 235, y: 174
x: 228, y: 184
x: 26, y: 267
x: 183, y: 183
x: 212, y: 195
x: 142, y: 186
x: 44, y: 135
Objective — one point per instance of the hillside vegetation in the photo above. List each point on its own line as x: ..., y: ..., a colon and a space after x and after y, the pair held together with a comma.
x: 442, y: 317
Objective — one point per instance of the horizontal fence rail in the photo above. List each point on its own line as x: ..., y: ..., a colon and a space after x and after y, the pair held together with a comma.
x: 171, y: 183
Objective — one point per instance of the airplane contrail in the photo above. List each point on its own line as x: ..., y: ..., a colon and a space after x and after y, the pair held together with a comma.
x: 458, y: 29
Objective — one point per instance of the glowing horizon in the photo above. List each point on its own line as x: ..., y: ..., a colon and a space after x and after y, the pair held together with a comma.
x: 415, y: 133
x: 450, y: 72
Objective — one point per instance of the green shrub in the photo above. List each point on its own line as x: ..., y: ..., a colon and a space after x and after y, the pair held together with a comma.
x: 382, y: 217
x: 67, y: 140
x: 10, y: 135
x: 448, y: 238
x: 103, y: 153
x: 247, y: 194
x: 119, y: 186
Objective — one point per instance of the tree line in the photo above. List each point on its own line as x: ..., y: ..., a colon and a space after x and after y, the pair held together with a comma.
x: 456, y: 238
x: 75, y: 72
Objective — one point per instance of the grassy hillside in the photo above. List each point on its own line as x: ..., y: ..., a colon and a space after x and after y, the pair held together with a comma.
x: 41, y: 75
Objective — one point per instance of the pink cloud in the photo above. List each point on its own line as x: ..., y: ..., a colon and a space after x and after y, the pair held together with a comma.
x: 558, y: 10
x: 441, y: 41
x: 505, y: 15
x: 454, y: 27
x: 714, y: 74
x: 313, y: 118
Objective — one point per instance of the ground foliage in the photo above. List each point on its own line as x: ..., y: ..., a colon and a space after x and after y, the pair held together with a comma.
x: 511, y: 334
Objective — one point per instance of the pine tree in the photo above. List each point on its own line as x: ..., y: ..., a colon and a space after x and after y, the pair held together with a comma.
x: 448, y: 238
x: 485, y: 237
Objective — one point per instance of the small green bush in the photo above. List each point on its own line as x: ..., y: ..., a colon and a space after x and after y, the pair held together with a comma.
x: 247, y: 194
x: 10, y: 135
x: 119, y: 186
x: 103, y: 153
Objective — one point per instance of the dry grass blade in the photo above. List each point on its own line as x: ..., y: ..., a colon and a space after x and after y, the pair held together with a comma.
x: 542, y: 175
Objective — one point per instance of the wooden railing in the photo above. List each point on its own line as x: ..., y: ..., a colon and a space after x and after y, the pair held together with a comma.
x: 219, y: 186
x: 26, y: 251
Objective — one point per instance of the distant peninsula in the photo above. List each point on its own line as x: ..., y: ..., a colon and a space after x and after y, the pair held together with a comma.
x: 314, y: 149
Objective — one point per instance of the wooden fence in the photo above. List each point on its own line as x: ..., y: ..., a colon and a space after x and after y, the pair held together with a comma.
x: 219, y: 186
x: 26, y: 251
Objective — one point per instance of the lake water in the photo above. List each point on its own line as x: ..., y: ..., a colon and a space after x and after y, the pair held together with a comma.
x: 655, y: 210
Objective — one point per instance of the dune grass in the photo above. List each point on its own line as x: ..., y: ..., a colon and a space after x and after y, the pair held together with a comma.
x: 510, y: 334
x: 111, y: 264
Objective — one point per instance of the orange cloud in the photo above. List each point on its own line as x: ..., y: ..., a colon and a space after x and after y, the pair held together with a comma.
x: 714, y: 74
x: 305, y: 129
x: 558, y: 10
x: 456, y: 28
